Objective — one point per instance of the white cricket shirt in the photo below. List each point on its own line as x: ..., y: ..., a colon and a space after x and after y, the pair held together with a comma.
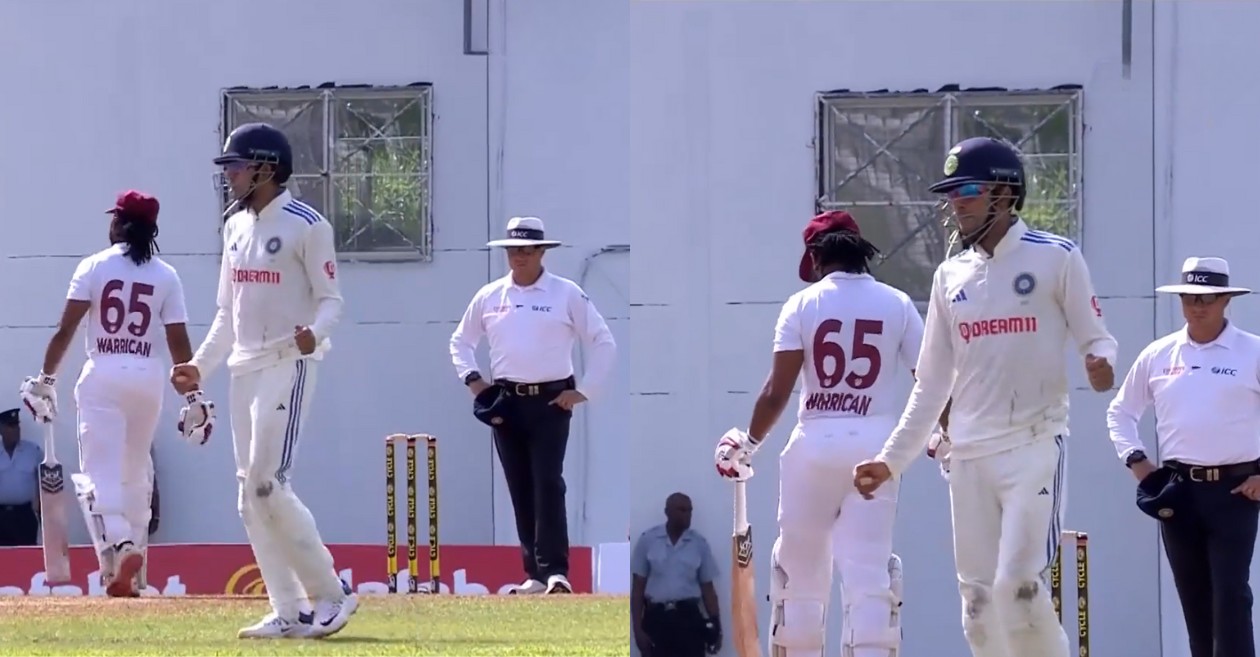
x: 130, y: 303
x: 532, y: 331
x: 996, y: 331
x: 1206, y: 399
x: 279, y: 271
x: 853, y: 329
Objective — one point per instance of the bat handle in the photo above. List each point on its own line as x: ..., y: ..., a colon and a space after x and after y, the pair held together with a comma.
x: 741, y: 507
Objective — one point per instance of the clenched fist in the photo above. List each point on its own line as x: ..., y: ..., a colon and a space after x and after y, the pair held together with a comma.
x: 305, y: 339
x: 868, y: 476
x: 1101, y: 376
x: 185, y: 377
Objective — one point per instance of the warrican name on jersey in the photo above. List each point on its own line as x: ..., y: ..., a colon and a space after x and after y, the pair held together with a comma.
x: 843, y: 402
x: 999, y: 326
x: 125, y: 346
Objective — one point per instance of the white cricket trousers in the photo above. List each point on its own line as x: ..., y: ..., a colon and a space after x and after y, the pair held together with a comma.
x: 268, y: 408
x: 119, y: 400
x: 1008, y: 512
x: 822, y: 517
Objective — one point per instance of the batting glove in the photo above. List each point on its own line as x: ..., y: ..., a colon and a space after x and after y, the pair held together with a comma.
x: 196, y: 419
x: 39, y: 394
x: 733, y: 455
x: 938, y: 448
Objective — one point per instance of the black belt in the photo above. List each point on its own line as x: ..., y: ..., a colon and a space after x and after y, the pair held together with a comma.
x: 519, y: 389
x: 675, y: 605
x: 1214, y: 473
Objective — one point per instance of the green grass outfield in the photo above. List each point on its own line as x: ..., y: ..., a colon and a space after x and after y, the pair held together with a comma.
x: 384, y: 625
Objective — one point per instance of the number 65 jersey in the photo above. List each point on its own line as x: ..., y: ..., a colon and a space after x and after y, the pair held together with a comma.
x: 854, y: 331
x: 131, y: 304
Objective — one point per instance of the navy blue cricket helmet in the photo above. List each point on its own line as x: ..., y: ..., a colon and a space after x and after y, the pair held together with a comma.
x: 983, y: 160
x: 262, y: 144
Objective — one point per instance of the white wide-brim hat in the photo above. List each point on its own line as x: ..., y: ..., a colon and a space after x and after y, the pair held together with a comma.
x: 1204, y: 276
x: 525, y: 231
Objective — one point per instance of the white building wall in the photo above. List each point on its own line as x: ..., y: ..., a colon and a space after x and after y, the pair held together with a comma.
x: 105, y: 96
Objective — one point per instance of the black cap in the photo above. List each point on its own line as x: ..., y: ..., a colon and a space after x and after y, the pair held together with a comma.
x: 11, y: 417
x: 1162, y: 495
x: 491, y: 406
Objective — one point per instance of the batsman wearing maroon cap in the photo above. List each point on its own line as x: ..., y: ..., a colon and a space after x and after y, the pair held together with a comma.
x: 129, y: 295
x: 848, y: 333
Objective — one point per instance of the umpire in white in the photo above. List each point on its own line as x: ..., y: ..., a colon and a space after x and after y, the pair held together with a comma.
x: 1204, y: 384
x: 532, y: 319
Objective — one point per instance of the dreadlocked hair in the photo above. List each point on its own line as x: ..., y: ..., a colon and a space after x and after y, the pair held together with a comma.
x: 844, y: 250
x: 140, y: 236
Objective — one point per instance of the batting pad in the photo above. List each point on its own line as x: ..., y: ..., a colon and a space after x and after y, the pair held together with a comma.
x: 85, y: 492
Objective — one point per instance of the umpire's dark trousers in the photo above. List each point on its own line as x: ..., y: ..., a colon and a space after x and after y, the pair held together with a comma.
x: 19, y: 525
x: 1209, y: 552
x: 531, y: 446
x: 675, y: 628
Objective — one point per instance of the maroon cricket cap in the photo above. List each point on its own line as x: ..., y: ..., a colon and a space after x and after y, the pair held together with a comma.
x: 138, y: 204
x: 827, y: 222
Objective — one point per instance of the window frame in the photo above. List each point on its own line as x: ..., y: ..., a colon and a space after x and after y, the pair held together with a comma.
x: 328, y: 96
x: 950, y: 101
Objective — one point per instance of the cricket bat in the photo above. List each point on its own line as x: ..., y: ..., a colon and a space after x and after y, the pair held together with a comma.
x: 53, y: 499
x: 743, y: 582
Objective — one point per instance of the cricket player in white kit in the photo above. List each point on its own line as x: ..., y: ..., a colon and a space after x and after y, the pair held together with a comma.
x: 997, y: 326
x: 847, y: 331
x: 128, y: 294
x: 278, y: 302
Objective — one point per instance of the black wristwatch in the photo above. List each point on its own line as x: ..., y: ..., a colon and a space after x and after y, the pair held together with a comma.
x: 472, y: 378
x: 1137, y: 456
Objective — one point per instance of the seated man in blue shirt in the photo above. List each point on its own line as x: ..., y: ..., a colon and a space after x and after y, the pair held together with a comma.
x: 19, y: 483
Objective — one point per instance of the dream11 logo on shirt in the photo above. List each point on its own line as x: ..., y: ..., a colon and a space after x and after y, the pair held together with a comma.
x: 264, y: 276
x: 969, y: 331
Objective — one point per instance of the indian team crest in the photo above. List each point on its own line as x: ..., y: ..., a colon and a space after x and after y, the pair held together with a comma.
x: 273, y: 245
x: 951, y: 162
x: 1025, y: 284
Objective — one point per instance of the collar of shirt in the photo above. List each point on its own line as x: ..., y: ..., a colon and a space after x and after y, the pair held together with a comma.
x: 659, y: 532
x: 1226, y: 339
x: 543, y: 283
x: 1009, y: 241
x: 281, y: 200
x: 20, y: 449
x: 844, y: 275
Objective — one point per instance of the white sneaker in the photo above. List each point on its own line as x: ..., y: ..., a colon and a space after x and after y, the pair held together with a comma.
x: 332, y: 616
x: 128, y: 561
x: 528, y: 587
x: 274, y: 627
x: 558, y: 584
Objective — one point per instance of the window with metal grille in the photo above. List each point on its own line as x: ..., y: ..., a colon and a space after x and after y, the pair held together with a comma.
x: 362, y: 156
x: 878, y: 152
